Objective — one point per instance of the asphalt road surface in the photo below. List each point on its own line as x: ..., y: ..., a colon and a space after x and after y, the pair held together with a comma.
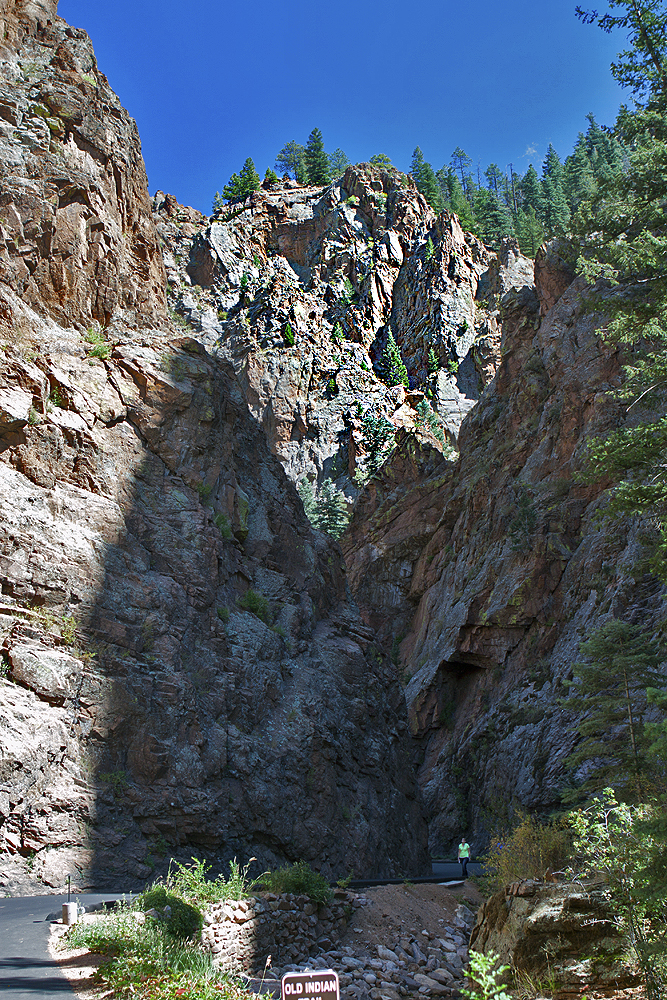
x: 26, y: 970
x: 452, y: 869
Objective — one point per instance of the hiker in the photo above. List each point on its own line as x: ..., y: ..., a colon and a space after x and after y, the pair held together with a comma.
x: 464, y: 856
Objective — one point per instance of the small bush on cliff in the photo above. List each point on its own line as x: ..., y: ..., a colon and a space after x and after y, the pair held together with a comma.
x: 535, y: 849
x: 300, y: 879
x: 256, y: 603
x: 378, y: 436
x: 97, y: 345
x: 394, y: 371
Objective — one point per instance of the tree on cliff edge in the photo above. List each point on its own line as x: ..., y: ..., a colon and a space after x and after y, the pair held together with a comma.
x: 290, y: 161
x: 316, y: 160
x: 241, y: 185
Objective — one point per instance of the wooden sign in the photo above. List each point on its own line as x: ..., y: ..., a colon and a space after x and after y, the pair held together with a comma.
x: 320, y: 984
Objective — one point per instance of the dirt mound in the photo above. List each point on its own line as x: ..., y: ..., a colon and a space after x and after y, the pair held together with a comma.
x: 398, y: 911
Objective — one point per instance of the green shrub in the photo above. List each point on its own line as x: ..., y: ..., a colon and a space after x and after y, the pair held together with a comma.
x: 204, y: 491
x: 485, y: 977
x: 221, y: 522
x: 532, y: 850
x: 184, y: 921
x: 98, y: 347
x: 191, y: 884
x: 300, y: 879
x: 148, y: 963
x: 256, y: 603
x: 288, y: 335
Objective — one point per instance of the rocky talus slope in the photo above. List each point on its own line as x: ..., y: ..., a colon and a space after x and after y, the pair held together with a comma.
x: 182, y: 669
x: 487, y: 574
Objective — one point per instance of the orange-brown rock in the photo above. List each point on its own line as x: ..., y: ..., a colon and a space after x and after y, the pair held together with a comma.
x: 77, y: 241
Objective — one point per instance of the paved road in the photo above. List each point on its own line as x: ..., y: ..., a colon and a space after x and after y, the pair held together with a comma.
x: 452, y: 869
x: 26, y: 970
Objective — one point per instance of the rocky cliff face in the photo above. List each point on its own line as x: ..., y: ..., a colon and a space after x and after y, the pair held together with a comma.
x: 299, y: 289
x: 182, y: 668
x: 186, y: 663
x: 498, y: 567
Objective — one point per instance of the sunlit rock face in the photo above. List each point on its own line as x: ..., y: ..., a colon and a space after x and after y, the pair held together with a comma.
x: 300, y: 289
x: 77, y: 241
x: 182, y: 668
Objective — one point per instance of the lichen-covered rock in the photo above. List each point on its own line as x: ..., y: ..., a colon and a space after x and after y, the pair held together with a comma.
x: 566, y: 931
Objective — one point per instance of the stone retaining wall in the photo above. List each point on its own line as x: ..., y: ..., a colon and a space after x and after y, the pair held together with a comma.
x: 241, y: 934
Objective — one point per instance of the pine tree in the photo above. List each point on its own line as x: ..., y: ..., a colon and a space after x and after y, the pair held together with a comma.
x: 609, y: 693
x: 426, y: 181
x: 493, y: 217
x: 241, y: 185
x: 530, y: 232
x: 290, y: 161
x: 643, y: 67
x: 531, y: 192
x: 393, y: 368
x: 461, y: 162
x: 380, y: 160
x: 556, y: 209
x: 495, y: 177
x: 621, y: 236
x: 316, y: 160
x: 331, y: 509
x: 579, y: 182
x: 454, y: 198
x: 338, y: 163
x: 378, y: 436
x: 307, y: 494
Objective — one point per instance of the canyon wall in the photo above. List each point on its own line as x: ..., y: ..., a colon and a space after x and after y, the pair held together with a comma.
x: 499, y: 567
x: 183, y: 670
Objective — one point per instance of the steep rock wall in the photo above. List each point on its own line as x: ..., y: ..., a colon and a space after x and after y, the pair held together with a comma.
x: 335, y: 270
x: 182, y: 668
x: 486, y: 575
x: 77, y: 241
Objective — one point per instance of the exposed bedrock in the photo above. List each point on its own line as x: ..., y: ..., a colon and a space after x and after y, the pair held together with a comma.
x: 182, y: 668
x: 486, y: 575
x: 299, y: 288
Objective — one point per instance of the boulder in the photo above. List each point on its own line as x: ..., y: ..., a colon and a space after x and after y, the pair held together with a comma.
x: 568, y: 930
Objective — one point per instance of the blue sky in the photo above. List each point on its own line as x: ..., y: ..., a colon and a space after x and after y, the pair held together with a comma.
x: 212, y: 82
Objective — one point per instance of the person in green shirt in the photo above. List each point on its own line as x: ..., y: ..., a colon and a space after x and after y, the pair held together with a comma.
x: 464, y: 856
